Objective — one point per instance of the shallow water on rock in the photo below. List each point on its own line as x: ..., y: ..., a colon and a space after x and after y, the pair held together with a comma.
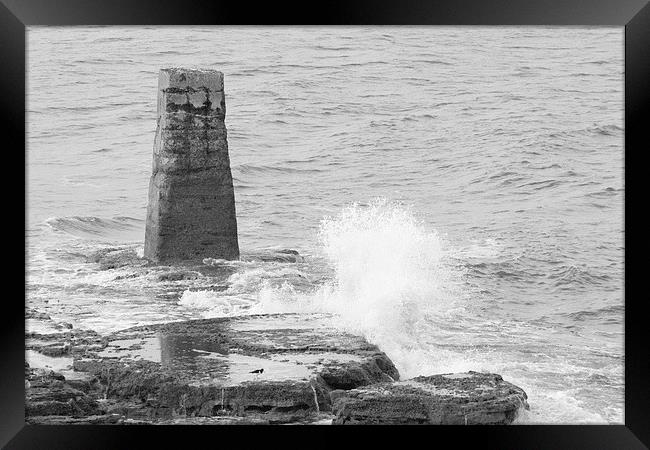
x: 286, y: 347
x: 56, y: 363
x: 59, y: 364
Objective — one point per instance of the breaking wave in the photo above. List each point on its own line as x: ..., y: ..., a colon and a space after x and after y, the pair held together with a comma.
x: 389, y: 276
x: 95, y: 228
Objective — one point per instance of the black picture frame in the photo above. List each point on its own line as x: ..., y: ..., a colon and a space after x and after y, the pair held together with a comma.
x: 634, y: 15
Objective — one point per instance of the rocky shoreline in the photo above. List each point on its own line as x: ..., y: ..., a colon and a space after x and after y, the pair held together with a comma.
x: 200, y: 372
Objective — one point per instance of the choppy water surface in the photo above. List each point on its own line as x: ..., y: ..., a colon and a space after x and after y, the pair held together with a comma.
x: 486, y: 165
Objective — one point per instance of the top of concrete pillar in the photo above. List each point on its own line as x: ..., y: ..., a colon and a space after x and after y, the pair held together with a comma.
x: 181, y: 78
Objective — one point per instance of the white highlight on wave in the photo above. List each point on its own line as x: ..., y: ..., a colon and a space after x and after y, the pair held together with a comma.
x: 242, y: 294
x: 215, y: 304
x: 388, y: 267
x: 389, y: 276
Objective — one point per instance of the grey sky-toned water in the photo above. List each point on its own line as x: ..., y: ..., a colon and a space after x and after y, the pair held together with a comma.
x: 498, y: 151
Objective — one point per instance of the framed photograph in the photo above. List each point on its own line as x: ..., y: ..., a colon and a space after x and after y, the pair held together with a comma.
x: 237, y: 219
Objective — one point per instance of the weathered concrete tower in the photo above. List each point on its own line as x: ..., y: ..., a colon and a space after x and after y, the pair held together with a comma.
x: 191, y: 211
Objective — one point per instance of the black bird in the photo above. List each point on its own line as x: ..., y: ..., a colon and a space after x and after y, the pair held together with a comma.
x: 257, y: 371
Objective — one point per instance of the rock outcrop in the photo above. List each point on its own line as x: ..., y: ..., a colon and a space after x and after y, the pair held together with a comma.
x: 48, y: 393
x: 114, y: 258
x: 470, y: 398
x: 191, y: 210
x: 201, y: 371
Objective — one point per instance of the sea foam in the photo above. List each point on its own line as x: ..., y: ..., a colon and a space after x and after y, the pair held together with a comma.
x: 389, y: 276
x: 396, y: 281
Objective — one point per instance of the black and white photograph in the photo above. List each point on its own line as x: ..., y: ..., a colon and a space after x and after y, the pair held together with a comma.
x: 332, y: 225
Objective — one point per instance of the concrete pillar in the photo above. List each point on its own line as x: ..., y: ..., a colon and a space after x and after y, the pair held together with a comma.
x: 191, y: 210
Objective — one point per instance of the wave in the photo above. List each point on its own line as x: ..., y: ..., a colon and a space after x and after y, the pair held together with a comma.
x: 605, y: 192
x: 388, y: 274
x: 337, y: 49
x: 539, y: 269
x: 580, y: 276
x: 381, y: 274
x: 252, y: 169
x: 242, y: 293
x: 598, y: 130
x: 600, y: 313
x: 216, y: 303
x: 607, y: 130
x: 96, y: 228
x: 540, y: 185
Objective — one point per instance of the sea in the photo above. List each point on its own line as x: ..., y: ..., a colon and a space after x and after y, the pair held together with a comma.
x: 455, y: 194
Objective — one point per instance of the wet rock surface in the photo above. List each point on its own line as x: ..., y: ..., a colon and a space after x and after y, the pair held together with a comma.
x: 48, y: 393
x: 114, y: 258
x: 202, y: 368
x: 470, y: 398
x: 200, y: 371
x: 277, y: 255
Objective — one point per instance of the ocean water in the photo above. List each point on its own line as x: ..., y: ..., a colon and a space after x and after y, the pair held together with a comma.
x: 456, y: 192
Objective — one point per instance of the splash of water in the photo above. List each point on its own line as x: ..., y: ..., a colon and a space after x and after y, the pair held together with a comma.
x: 390, y: 275
x: 394, y: 281
x: 389, y: 270
x: 214, y: 304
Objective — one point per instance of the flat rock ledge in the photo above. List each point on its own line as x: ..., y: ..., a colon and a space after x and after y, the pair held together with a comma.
x: 199, y: 372
x: 470, y: 398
